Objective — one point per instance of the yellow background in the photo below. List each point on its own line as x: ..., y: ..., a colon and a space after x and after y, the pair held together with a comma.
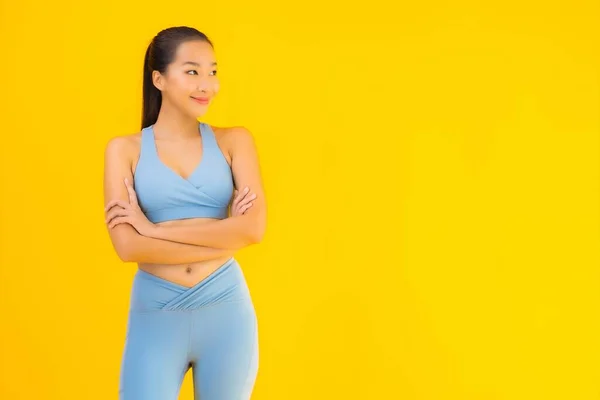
x: 432, y: 172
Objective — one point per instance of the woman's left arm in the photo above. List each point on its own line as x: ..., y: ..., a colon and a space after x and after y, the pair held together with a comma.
x: 237, y: 231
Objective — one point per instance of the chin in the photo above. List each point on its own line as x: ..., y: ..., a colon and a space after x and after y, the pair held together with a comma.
x: 199, y: 111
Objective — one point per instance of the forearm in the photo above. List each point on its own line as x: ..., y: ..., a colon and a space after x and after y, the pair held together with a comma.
x: 144, y: 249
x: 230, y: 233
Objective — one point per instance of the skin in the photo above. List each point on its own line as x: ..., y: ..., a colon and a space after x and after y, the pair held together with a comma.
x: 184, y: 251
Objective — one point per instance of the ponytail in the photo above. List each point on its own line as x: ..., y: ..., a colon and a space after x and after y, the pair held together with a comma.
x: 151, y: 95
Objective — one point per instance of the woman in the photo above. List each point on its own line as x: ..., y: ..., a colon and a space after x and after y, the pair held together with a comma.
x: 173, y: 206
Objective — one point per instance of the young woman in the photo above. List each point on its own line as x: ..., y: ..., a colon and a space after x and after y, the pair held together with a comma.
x: 181, y: 198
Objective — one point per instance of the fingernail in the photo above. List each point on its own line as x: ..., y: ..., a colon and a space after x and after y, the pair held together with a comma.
x: 246, y: 189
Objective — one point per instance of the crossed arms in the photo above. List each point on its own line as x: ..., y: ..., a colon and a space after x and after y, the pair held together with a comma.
x: 176, y: 244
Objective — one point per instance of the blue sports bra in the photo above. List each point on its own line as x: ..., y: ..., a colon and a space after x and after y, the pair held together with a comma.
x: 165, y: 195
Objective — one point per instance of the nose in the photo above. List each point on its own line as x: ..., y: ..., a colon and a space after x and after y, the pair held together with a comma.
x: 203, y: 84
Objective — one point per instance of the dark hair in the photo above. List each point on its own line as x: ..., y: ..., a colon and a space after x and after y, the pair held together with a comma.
x: 159, y: 55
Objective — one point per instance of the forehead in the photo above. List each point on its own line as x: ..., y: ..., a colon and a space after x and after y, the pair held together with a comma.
x: 197, y: 51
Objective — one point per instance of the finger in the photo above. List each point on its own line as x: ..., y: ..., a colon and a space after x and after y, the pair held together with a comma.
x: 244, y: 194
x: 116, y: 209
x: 131, y: 191
x: 110, y: 204
x: 117, y: 221
x: 247, y: 199
x: 112, y: 222
x: 245, y: 207
x: 113, y: 203
x: 250, y: 197
x: 116, y: 212
x: 238, y: 198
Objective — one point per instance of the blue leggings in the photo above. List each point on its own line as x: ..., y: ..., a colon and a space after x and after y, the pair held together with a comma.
x: 210, y: 327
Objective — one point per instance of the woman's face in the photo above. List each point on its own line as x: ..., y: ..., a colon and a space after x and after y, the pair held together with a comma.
x: 190, y: 82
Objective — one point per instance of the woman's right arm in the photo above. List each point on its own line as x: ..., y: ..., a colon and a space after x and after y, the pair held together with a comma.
x: 129, y: 245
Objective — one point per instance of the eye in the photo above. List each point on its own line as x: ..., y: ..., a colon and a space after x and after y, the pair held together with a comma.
x: 192, y: 70
x: 214, y: 72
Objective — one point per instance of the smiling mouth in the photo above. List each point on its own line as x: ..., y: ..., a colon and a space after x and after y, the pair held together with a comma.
x: 201, y: 100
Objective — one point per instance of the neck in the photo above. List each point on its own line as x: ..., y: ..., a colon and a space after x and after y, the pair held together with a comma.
x: 172, y: 124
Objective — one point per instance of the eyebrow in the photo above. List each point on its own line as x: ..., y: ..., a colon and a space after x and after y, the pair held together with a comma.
x: 214, y: 64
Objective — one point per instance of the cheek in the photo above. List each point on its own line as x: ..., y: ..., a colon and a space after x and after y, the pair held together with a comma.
x: 176, y: 87
x: 179, y: 89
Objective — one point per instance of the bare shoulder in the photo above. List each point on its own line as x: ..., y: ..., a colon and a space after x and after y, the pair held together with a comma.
x: 123, y: 147
x: 230, y: 132
x: 232, y: 137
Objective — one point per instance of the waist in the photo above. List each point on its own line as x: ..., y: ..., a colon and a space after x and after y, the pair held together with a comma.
x: 184, y: 274
x: 225, y: 284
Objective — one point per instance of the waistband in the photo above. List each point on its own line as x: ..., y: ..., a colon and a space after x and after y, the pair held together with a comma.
x: 226, y: 283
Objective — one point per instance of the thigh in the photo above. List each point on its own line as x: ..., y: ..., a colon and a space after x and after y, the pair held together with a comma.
x: 155, y: 356
x: 225, y: 342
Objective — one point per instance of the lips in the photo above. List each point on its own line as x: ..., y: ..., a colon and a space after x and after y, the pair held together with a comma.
x: 201, y: 100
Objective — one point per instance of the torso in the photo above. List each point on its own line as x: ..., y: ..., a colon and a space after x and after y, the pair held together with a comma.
x: 192, y: 273
x: 184, y: 274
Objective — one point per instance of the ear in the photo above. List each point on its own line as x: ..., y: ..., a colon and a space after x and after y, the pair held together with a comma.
x: 158, y: 80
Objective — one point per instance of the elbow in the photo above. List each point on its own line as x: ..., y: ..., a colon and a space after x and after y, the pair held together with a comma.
x: 258, y: 232
x: 124, y: 246
x: 252, y: 231
x: 259, y: 235
x: 123, y: 258
x: 124, y: 252
x: 126, y: 256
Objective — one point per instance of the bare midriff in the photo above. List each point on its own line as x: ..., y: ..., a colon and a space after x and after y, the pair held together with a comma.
x: 185, y: 274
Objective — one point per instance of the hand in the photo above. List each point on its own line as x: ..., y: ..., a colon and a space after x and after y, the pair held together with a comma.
x: 122, y: 212
x: 241, y: 202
